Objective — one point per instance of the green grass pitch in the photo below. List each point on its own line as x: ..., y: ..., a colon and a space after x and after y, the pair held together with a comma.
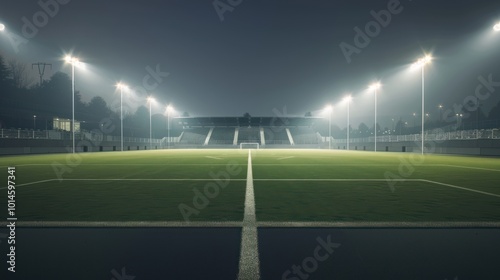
x: 290, y: 185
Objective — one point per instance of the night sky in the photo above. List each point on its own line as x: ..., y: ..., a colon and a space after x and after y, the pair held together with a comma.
x: 265, y: 55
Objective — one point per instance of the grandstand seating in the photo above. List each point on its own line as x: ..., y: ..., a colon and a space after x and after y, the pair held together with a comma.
x: 304, y: 135
x: 249, y: 135
x: 194, y: 136
x: 276, y: 136
x: 222, y: 135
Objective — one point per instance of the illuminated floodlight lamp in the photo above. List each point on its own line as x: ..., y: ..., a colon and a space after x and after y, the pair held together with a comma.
x: 374, y: 86
x: 2, y: 27
x: 496, y: 27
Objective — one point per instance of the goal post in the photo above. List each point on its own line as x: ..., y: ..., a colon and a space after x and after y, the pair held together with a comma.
x: 249, y: 146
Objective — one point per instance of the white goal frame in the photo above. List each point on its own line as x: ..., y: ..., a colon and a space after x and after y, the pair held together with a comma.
x: 257, y: 145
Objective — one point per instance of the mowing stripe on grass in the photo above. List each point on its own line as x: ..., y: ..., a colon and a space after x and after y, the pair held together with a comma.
x: 249, y: 267
x: 461, y: 188
x: 121, y: 179
x: 132, y: 224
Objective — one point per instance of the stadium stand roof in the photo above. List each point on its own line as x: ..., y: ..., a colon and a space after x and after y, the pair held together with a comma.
x: 246, y: 122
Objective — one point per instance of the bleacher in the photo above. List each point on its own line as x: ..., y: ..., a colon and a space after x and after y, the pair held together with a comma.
x: 249, y: 135
x: 222, y: 136
x: 249, y: 130
x: 304, y: 135
x: 194, y: 136
x: 276, y: 136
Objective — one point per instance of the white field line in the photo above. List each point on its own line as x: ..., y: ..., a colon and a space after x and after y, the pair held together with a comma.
x: 461, y: 188
x: 282, y: 158
x: 249, y: 266
x: 263, y: 224
x: 218, y: 158
x: 468, y: 167
x: 31, y: 183
x: 337, y: 180
x: 122, y: 164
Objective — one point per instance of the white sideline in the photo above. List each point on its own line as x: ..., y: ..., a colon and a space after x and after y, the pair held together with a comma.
x: 249, y: 266
x: 263, y: 224
x: 461, y: 188
x: 468, y: 167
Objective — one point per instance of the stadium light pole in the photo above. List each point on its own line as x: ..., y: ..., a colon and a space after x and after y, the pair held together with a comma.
x: 150, y: 101
x: 121, y: 87
x: 374, y: 88
x: 348, y: 100
x: 421, y: 63
x: 440, y: 112
x: 170, y: 108
x: 329, y: 110
x: 73, y: 61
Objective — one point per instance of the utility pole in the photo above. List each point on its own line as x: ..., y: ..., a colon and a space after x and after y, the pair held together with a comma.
x: 41, y: 69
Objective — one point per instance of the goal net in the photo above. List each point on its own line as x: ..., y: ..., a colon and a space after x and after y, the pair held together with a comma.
x: 249, y: 146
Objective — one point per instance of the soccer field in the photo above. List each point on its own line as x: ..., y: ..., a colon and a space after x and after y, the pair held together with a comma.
x: 289, y: 186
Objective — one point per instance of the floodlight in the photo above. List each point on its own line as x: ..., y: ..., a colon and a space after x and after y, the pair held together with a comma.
x: 348, y: 98
x: 122, y: 86
x: 2, y: 27
x: 374, y: 86
x: 328, y: 109
x: 497, y: 27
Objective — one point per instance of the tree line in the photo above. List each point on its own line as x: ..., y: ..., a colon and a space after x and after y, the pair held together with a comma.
x: 21, y: 100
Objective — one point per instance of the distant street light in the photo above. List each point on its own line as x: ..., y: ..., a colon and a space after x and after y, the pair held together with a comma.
x: 34, y: 125
x: 329, y: 110
x: 170, y: 109
x: 73, y: 61
x: 497, y: 27
x: 348, y: 100
x: 374, y: 88
x: 421, y: 63
x: 121, y: 87
x: 150, y: 101
x: 414, y: 119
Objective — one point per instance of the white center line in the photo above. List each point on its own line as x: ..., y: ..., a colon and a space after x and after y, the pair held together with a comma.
x: 249, y: 252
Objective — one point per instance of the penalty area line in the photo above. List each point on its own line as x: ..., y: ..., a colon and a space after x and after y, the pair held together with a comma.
x: 460, y: 188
